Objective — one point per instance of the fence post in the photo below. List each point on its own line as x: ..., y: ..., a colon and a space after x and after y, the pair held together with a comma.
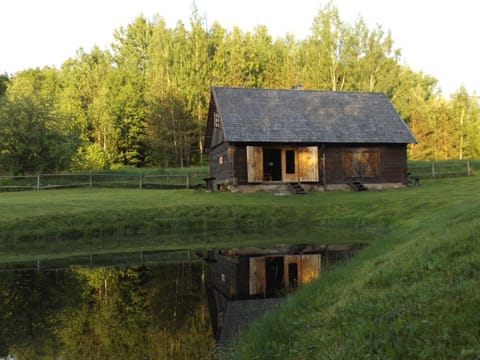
x: 38, y: 181
x: 140, y: 185
x: 433, y: 170
x: 468, y: 168
x: 38, y: 264
x: 188, y: 181
x: 90, y: 179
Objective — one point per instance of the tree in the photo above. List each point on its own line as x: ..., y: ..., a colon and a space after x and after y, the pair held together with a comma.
x: 326, y: 51
x: 32, y: 138
x: 466, y: 121
x: 86, y: 98
x: 144, y: 101
x: 285, y: 71
x: 131, y: 61
x: 4, y: 80
x: 376, y: 61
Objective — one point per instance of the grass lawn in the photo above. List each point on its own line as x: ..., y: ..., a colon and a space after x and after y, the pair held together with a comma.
x: 60, y: 223
x: 413, y: 293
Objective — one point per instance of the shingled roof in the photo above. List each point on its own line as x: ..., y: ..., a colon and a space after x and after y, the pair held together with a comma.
x: 308, y: 116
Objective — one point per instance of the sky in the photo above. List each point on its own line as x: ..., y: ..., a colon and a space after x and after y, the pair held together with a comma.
x: 439, y: 38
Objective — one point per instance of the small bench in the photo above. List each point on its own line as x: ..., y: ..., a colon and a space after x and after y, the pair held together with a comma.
x: 209, y: 183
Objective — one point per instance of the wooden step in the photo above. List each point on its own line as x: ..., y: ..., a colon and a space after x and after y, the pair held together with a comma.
x: 358, y: 186
x: 297, y: 188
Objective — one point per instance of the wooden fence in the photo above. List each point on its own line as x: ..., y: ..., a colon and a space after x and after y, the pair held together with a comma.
x: 443, y: 169
x: 141, y: 258
x: 140, y: 181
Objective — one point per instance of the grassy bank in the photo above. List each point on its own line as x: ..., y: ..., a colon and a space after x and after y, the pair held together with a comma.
x: 59, y: 223
x: 413, y: 295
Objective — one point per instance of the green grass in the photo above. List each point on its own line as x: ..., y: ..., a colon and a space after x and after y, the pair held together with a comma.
x: 413, y: 293
x: 60, y: 223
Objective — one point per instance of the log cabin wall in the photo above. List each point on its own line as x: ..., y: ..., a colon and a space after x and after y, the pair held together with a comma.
x: 240, y: 164
x: 243, y: 279
x: 221, y: 162
x: 394, y: 164
x: 367, y: 163
x: 382, y: 163
x: 224, y: 275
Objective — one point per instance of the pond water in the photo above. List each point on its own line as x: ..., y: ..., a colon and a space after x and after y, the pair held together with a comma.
x: 140, y: 312
x: 152, y: 310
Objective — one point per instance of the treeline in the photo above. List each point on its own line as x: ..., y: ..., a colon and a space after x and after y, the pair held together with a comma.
x: 144, y: 100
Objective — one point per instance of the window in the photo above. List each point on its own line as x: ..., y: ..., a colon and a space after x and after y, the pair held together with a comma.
x: 216, y: 120
x: 361, y: 163
x: 290, y: 161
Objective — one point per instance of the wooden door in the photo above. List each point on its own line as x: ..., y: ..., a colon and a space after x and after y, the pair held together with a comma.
x: 255, y: 164
x: 257, y: 276
x: 308, y: 163
x: 311, y: 266
x: 290, y: 165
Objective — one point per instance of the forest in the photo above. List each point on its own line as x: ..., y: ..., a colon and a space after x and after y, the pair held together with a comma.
x: 143, y: 101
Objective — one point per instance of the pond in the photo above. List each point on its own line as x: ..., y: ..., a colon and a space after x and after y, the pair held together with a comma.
x: 160, y: 306
x: 138, y: 312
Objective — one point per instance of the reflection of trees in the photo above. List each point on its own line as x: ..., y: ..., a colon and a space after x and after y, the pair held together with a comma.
x: 110, y: 320
x: 105, y: 313
x: 181, y: 314
x: 29, y: 303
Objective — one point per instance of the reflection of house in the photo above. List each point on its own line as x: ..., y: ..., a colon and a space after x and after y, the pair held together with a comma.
x: 244, y: 283
x: 266, y: 136
x: 253, y: 273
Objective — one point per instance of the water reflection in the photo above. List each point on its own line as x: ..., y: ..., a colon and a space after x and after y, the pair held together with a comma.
x: 154, y: 312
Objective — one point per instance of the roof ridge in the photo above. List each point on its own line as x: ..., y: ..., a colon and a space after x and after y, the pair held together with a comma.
x: 297, y: 90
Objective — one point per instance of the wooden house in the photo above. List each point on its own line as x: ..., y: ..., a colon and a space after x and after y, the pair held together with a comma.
x: 319, y: 138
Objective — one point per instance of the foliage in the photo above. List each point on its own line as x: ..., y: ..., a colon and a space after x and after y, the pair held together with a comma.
x: 144, y: 100
x: 4, y: 80
x: 33, y: 138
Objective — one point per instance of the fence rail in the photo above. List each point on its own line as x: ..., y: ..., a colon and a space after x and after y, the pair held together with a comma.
x: 52, y: 181
x: 141, y: 258
x: 444, y: 169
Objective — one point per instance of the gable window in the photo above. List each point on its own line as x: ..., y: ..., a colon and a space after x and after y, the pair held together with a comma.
x: 361, y: 163
x: 216, y: 120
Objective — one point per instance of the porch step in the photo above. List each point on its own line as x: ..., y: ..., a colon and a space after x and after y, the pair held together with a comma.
x: 358, y: 186
x: 296, y: 188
